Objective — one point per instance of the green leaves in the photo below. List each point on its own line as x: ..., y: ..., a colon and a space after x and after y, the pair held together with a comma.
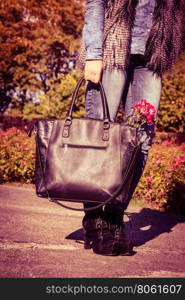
x: 55, y: 102
x: 16, y: 156
x: 162, y: 184
x: 171, y: 116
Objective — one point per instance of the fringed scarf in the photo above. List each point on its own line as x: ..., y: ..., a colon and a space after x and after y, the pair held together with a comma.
x: 164, y: 43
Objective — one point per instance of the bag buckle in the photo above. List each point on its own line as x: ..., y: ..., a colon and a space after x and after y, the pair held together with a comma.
x: 68, y: 122
x: 106, y: 126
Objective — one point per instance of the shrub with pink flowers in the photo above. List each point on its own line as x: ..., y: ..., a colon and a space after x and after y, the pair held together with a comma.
x: 162, y: 185
x: 16, y: 156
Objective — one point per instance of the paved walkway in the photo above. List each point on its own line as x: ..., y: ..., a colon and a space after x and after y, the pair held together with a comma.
x: 39, y: 238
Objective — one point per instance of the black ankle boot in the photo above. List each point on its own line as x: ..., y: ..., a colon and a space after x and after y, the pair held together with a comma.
x: 124, y: 246
x: 104, y: 244
x: 91, y: 226
x: 112, y: 239
x: 91, y: 229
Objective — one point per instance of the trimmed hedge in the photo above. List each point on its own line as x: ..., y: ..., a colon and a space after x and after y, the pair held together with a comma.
x: 162, y: 185
x: 171, y: 115
x: 17, y: 152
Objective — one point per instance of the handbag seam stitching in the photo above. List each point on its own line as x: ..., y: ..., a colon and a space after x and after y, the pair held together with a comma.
x: 120, y: 151
x: 47, y: 156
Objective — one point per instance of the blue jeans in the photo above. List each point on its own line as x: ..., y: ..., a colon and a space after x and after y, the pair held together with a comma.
x: 129, y: 87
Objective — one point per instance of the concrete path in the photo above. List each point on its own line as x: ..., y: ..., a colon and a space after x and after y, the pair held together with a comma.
x: 39, y: 238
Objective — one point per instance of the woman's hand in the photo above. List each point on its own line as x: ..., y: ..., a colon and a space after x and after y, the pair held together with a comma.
x: 93, y: 70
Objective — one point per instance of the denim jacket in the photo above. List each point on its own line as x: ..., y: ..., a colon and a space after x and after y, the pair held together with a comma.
x: 94, y: 25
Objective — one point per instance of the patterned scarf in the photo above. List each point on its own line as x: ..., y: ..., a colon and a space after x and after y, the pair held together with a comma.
x: 163, y: 45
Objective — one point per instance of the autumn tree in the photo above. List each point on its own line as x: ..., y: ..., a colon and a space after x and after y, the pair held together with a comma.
x: 38, y: 40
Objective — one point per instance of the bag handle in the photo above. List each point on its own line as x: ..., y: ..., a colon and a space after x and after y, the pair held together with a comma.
x: 68, y: 118
x: 106, y: 114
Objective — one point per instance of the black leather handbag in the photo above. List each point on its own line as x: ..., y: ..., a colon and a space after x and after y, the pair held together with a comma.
x: 82, y: 159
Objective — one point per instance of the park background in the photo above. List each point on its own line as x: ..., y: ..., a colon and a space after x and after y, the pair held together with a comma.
x: 38, y: 50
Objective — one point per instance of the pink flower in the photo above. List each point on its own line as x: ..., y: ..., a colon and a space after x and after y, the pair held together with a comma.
x: 158, y: 161
x: 175, y: 165
x: 143, y: 110
x: 143, y: 102
x: 150, y: 191
x: 166, y: 143
x: 162, y: 194
x: 152, y: 110
x: 148, y: 179
x: 181, y: 159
